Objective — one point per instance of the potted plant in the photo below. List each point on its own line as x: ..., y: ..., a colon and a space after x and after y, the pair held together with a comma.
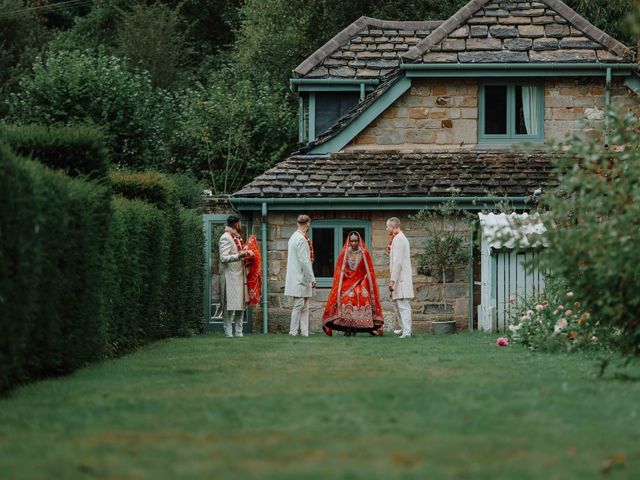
x: 444, y: 249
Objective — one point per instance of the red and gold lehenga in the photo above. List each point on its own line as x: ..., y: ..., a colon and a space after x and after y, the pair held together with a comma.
x: 354, y: 300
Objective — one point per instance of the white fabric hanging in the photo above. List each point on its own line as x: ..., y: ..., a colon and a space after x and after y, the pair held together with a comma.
x: 530, y: 109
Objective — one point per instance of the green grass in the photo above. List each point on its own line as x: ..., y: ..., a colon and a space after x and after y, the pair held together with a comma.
x: 267, y: 407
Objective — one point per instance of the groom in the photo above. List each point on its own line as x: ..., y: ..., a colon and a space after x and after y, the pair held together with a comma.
x: 300, y: 281
x: 401, y: 281
x: 233, y: 277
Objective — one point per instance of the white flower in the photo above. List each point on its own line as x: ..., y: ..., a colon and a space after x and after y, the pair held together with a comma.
x: 514, y: 328
x: 568, y: 313
x: 539, y: 307
x: 562, y: 324
x: 569, y: 294
x: 529, y: 313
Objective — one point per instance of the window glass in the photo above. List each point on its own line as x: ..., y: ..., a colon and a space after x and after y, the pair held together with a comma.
x: 512, y: 111
x: 323, y: 251
x: 331, y: 106
x: 495, y: 109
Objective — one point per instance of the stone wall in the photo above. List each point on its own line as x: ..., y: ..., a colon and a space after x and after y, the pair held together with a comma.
x: 433, y: 112
x: 426, y: 306
x: 442, y: 113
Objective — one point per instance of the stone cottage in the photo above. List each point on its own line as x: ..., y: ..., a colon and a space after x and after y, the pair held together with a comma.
x: 397, y: 116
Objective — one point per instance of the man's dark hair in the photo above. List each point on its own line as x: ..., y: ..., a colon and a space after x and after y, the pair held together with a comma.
x: 232, y: 220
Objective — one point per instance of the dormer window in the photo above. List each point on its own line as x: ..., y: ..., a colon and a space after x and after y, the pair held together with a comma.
x: 325, y: 108
x: 324, y: 101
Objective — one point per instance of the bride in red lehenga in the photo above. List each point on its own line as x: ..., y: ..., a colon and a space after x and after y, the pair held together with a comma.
x: 354, y: 301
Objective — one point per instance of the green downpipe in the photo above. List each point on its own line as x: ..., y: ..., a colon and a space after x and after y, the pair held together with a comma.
x: 607, y: 106
x: 471, y: 277
x: 265, y: 293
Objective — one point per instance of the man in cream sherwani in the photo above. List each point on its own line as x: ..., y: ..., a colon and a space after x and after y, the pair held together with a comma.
x: 233, y: 277
x: 300, y: 281
x: 401, y: 281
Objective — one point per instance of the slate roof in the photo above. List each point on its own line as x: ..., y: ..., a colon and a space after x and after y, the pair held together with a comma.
x: 498, y: 31
x: 368, y: 48
x: 395, y: 174
x: 483, y: 31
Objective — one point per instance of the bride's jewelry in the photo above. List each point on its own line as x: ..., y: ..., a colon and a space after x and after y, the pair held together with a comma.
x: 354, y: 257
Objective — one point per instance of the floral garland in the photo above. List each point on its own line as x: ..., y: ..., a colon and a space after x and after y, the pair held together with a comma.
x: 237, y: 239
x: 310, y: 246
x: 393, y: 235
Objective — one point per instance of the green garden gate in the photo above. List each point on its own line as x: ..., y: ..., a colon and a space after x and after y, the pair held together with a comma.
x: 213, y: 225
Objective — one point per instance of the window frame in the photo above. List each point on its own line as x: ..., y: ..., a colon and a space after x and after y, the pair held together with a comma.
x: 338, y: 225
x: 510, y: 136
x: 307, y: 105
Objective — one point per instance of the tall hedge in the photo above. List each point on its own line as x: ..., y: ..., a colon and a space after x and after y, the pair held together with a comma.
x: 85, y: 275
x: 137, y: 271
x: 78, y: 150
x: 53, y: 233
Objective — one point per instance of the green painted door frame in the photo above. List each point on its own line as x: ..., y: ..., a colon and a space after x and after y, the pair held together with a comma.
x: 212, y: 309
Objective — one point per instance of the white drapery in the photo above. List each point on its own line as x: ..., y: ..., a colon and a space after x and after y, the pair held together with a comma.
x: 530, y: 109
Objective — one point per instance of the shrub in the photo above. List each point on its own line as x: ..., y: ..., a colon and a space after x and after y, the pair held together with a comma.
x: 53, y: 231
x: 594, y: 228
x: 183, y: 296
x: 556, y: 321
x: 149, y: 186
x: 137, y: 272
x: 73, y: 87
x: 79, y: 150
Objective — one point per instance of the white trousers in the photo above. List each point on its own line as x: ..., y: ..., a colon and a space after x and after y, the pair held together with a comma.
x: 229, y: 318
x: 402, y: 309
x: 300, y: 316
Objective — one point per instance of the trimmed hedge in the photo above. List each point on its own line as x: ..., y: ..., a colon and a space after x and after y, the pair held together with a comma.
x: 149, y: 186
x: 53, y: 232
x: 84, y: 275
x: 78, y: 150
x: 137, y: 271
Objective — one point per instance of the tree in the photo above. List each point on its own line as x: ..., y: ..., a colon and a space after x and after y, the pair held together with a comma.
x: 445, y: 246
x: 152, y: 38
x: 231, y: 131
x: 81, y: 87
x: 594, y: 227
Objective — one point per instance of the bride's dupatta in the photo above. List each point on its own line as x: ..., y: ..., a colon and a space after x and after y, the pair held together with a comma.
x: 354, y: 300
x: 254, y: 271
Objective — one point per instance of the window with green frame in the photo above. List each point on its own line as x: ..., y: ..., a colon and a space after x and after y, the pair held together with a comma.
x: 328, y: 237
x: 510, y: 112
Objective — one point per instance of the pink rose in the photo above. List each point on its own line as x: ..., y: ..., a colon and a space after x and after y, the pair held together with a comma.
x: 539, y: 307
x: 502, y: 342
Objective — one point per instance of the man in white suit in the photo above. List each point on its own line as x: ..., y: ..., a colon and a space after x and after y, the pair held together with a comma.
x: 401, y: 281
x: 233, y: 277
x: 300, y: 281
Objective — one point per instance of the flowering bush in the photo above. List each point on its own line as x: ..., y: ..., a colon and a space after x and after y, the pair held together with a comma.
x: 555, y: 321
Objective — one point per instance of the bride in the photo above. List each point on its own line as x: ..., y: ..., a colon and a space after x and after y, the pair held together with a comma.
x: 354, y: 301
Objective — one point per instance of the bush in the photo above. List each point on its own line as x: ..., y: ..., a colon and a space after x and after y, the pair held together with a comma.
x: 73, y: 87
x: 84, y: 275
x: 79, y: 150
x: 149, y: 186
x: 183, y: 296
x: 53, y: 231
x: 137, y: 272
x: 594, y: 228
x: 556, y: 321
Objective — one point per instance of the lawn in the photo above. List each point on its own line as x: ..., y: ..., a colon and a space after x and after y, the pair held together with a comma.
x: 267, y: 407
